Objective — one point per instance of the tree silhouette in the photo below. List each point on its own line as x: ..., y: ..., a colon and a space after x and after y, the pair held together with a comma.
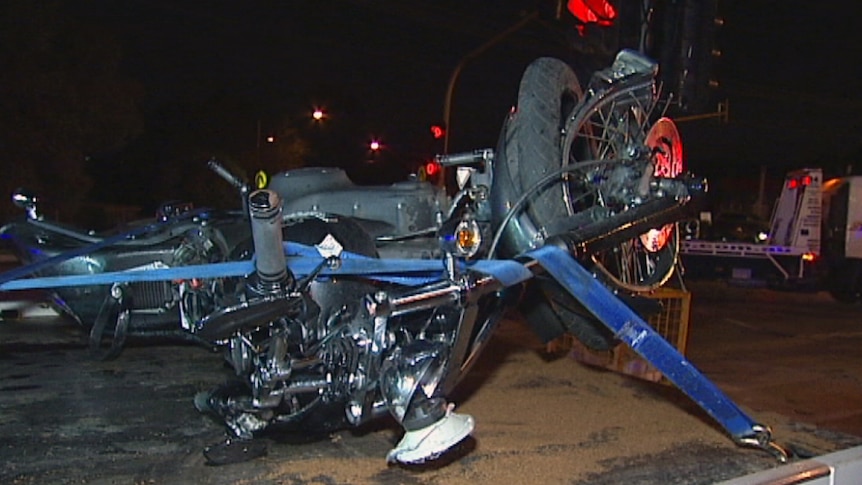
x: 62, y: 100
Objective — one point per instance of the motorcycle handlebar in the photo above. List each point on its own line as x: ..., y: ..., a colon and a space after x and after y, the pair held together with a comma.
x: 468, y: 158
x: 223, y: 173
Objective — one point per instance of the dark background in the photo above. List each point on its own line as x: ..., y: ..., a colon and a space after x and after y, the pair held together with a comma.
x: 109, y: 107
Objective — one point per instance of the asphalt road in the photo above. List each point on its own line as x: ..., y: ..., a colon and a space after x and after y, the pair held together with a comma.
x: 790, y: 360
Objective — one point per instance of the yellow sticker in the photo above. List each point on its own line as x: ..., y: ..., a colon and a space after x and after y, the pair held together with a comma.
x: 260, y: 179
x: 422, y: 174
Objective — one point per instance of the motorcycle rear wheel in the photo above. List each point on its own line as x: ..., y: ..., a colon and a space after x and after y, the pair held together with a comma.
x: 610, y: 128
x: 552, y: 128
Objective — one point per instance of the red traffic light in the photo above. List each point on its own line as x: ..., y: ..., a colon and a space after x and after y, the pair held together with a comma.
x: 432, y: 168
x: 437, y: 131
x: 599, y: 12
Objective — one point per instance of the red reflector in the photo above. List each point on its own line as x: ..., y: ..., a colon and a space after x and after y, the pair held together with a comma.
x: 806, y: 180
x: 431, y: 168
x: 600, y: 12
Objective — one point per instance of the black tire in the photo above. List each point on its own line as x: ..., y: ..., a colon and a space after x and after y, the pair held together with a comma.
x: 844, y: 282
x: 550, y: 311
x: 548, y: 92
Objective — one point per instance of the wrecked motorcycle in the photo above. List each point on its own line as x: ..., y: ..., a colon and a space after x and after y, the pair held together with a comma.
x: 336, y: 304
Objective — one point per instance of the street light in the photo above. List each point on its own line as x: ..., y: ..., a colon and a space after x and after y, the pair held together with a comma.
x: 296, y: 122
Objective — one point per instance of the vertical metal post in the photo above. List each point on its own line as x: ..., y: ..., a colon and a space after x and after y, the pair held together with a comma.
x: 450, y: 89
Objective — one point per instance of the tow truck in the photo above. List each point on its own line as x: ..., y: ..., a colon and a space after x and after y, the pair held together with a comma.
x: 814, y: 241
x: 788, y: 257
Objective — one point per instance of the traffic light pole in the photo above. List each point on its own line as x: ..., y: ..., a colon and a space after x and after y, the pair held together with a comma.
x: 450, y: 89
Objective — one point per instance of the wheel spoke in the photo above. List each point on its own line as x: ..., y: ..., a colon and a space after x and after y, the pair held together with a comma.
x: 615, y: 128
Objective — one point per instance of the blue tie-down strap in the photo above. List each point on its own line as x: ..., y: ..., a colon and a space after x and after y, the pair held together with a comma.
x: 301, y: 259
x: 202, y: 271
x: 629, y: 327
x: 583, y: 286
x: 21, y: 271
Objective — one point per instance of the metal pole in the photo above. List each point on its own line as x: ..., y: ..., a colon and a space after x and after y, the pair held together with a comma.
x: 258, y: 143
x: 450, y: 89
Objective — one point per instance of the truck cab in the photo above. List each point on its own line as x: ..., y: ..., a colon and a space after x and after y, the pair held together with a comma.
x: 842, y: 238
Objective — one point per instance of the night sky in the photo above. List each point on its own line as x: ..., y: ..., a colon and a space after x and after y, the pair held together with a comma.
x: 386, y: 63
x: 791, y: 76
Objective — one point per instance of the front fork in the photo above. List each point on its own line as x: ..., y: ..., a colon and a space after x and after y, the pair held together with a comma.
x: 415, y: 378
